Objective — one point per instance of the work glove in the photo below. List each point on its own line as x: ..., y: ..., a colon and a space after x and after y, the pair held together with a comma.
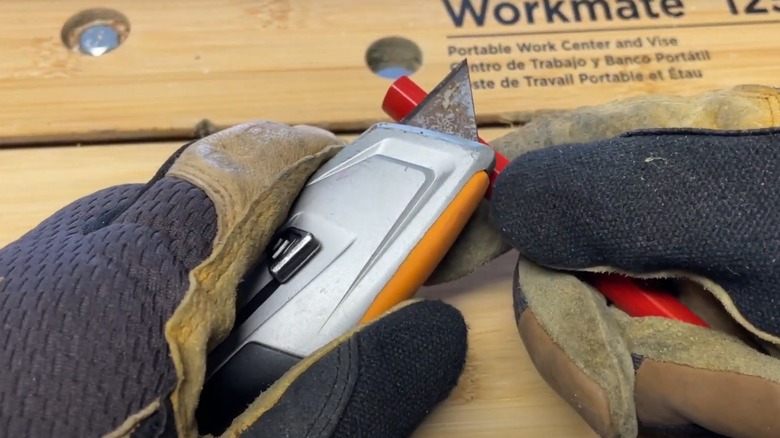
x: 662, y: 187
x: 110, y: 306
x: 735, y: 108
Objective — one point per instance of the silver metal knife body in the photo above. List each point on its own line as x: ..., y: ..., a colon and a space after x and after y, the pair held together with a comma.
x: 353, y: 225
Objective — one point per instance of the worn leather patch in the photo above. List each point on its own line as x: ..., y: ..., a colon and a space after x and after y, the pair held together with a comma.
x: 478, y: 244
x: 670, y: 341
x: 570, y: 382
x: 252, y: 173
x: 727, y: 403
x: 746, y: 106
x: 590, y: 358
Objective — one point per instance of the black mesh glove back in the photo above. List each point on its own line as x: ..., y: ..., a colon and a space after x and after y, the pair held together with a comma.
x: 110, y: 306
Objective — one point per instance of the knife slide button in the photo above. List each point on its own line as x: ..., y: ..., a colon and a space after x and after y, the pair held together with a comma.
x: 290, y: 252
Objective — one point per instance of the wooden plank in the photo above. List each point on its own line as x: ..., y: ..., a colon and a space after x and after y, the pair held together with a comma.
x: 501, y: 394
x: 45, y: 179
x: 303, y: 61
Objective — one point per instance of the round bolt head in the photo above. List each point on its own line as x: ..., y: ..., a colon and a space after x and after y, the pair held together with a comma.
x: 98, y: 40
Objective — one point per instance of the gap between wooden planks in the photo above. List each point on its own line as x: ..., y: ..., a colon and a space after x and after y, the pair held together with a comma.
x: 500, y: 394
x: 303, y: 61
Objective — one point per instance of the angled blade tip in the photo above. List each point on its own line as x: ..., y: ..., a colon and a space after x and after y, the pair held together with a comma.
x: 449, y: 108
x: 461, y: 68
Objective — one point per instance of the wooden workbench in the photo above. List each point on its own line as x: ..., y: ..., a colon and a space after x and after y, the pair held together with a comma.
x: 71, y: 124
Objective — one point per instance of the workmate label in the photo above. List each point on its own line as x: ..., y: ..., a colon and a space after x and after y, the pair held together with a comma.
x: 647, y: 44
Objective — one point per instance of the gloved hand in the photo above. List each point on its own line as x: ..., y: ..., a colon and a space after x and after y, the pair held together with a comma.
x: 698, y: 204
x: 110, y: 306
x: 738, y: 107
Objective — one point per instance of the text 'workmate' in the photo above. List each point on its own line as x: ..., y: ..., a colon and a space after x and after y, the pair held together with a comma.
x: 511, y: 12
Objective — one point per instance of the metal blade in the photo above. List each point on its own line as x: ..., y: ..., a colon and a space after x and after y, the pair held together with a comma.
x: 449, y: 108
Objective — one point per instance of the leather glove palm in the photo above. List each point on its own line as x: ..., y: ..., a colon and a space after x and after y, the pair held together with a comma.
x: 110, y: 306
x: 693, y: 204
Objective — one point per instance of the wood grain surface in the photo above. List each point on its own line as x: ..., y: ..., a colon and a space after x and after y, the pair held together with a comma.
x: 500, y: 394
x: 303, y: 61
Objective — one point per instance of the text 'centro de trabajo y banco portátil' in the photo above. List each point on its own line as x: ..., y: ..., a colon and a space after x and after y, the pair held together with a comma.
x: 571, y: 62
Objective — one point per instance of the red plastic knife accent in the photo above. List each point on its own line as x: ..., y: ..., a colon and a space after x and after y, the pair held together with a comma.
x: 642, y: 300
x: 404, y: 95
x: 624, y: 292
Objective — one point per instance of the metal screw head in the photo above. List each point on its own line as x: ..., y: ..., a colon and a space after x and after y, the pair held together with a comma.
x: 95, y: 32
x: 98, y: 40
